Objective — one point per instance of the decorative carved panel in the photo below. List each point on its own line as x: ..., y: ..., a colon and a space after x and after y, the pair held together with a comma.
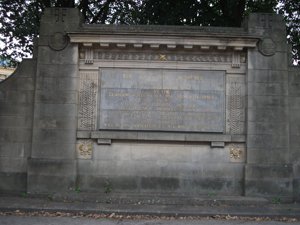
x: 89, y: 55
x: 87, y: 111
x: 225, y: 57
x: 236, y: 108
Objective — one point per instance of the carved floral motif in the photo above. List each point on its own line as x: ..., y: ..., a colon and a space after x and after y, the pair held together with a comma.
x: 237, y: 152
x: 84, y: 149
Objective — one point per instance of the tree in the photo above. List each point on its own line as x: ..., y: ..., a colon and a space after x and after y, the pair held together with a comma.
x: 290, y: 9
x: 20, y: 18
x: 202, y: 13
x: 19, y: 23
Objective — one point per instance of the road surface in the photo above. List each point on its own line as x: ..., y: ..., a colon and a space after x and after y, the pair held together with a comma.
x: 73, y: 220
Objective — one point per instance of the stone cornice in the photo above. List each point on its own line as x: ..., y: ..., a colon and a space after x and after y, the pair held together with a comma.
x: 122, y: 41
x: 166, y: 30
x: 169, y: 36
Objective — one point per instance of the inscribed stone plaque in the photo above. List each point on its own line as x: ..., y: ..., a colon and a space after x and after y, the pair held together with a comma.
x: 162, y: 100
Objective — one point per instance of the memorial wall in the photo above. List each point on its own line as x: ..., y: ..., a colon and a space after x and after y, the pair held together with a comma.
x: 180, y: 111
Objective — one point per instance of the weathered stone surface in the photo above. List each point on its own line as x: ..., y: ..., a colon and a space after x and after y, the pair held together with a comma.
x: 269, y: 180
x: 55, y: 110
x: 17, y: 96
x: 153, y: 110
x: 268, y: 171
x: 275, y: 62
x: 296, y: 187
x: 16, y: 100
x: 294, y: 102
x: 53, y: 150
x: 15, y: 121
x: 48, y: 176
x: 107, y: 184
x: 294, y: 125
x: 54, y: 96
x: 267, y: 89
x: 267, y: 154
x: 52, y: 164
x: 267, y: 141
x: 66, y: 57
x: 271, y: 188
x: 159, y: 183
x: 59, y: 19
x: 15, y: 150
x: 58, y: 71
x: 266, y: 76
x: 13, y: 182
x: 55, y: 123
x: 13, y: 164
x: 173, y: 100
x: 267, y: 128
x: 17, y: 82
x: 15, y: 135
x: 57, y: 83
x: 10, y: 109
x: 269, y: 115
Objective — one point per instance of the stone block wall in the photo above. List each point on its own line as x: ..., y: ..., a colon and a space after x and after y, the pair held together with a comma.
x: 52, y: 138
x: 16, y: 117
x: 294, y: 126
x: 161, y: 168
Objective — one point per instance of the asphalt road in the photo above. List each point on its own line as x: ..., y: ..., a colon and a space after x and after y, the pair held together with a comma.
x: 42, y: 220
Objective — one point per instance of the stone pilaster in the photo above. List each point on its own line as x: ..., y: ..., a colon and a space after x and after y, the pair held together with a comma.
x: 52, y: 166
x: 268, y: 170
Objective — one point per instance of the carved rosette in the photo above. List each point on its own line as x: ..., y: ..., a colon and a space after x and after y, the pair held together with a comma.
x: 237, y: 152
x: 267, y: 47
x: 84, y: 149
x: 58, y: 41
x: 87, y: 111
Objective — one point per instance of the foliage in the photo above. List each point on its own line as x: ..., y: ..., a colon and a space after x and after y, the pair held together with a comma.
x: 20, y: 18
x: 24, y: 194
x: 276, y: 200
x: 19, y: 25
x: 77, y: 190
x: 291, y: 12
x: 107, y: 187
x: 110, y: 11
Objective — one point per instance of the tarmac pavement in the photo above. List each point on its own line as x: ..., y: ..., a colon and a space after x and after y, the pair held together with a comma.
x: 132, y: 210
x: 25, y: 220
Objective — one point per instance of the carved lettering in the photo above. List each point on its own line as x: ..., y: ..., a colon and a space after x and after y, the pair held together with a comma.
x: 155, y: 99
x: 60, y: 14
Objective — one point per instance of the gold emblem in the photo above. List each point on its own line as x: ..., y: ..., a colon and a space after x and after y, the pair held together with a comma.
x: 162, y: 57
x: 85, y: 149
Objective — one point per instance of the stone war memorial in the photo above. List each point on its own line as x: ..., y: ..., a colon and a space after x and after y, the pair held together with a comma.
x: 153, y: 110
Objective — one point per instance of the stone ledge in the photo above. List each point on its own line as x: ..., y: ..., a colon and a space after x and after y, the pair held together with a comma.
x: 160, y: 136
